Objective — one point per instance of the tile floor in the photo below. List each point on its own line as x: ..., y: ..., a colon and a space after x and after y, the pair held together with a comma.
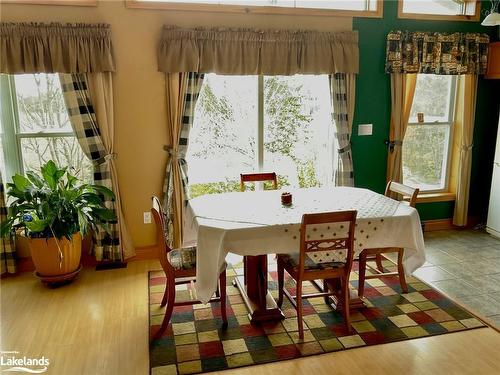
x: 465, y: 265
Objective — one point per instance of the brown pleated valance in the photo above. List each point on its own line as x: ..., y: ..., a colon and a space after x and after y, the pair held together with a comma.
x: 55, y: 48
x: 436, y: 53
x: 252, y: 52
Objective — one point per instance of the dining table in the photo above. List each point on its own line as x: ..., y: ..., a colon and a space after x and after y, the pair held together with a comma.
x: 256, y: 223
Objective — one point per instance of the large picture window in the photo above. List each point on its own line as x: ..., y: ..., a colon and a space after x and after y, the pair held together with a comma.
x: 359, y: 8
x: 427, y: 142
x: 246, y: 124
x: 36, y: 127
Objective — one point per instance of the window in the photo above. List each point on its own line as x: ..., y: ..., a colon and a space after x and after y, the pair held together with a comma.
x: 427, y: 142
x: 246, y: 124
x: 86, y: 3
x: 36, y: 127
x: 459, y: 10
x: 359, y: 8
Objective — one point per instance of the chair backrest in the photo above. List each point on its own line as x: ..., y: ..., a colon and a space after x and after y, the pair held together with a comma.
x: 403, y: 190
x: 258, y: 177
x: 161, y: 243
x: 330, y: 235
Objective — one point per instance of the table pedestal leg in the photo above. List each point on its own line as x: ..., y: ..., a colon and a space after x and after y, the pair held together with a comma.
x: 253, y: 288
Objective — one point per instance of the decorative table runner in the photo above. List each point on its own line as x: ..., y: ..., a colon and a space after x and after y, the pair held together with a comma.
x: 256, y: 223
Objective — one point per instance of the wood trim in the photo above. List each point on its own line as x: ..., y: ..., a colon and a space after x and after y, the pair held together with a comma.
x: 165, y: 5
x: 493, y: 71
x: 440, y: 224
x: 80, y: 3
x: 442, y: 17
x: 144, y: 253
x: 447, y: 224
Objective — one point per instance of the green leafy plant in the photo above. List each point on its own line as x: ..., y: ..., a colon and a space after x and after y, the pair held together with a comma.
x: 54, y: 204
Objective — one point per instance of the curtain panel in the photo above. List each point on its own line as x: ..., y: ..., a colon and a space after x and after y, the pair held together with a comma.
x: 436, y: 53
x: 342, y: 92
x: 183, y: 90
x: 402, y: 92
x: 7, y: 248
x: 467, y: 89
x: 254, y: 52
x: 83, y: 119
x: 55, y: 48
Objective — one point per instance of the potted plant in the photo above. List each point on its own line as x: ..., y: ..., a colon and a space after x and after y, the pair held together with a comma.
x: 54, y: 211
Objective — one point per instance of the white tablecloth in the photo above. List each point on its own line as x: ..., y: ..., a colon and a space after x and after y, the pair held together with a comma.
x: 256, y: 223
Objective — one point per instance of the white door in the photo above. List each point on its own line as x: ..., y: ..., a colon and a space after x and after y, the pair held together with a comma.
x: 497, y: 150
x: 493, y: 225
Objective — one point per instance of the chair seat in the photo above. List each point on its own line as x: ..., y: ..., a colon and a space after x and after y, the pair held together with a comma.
x: 185, y: 259
x: 182, y: 259
x: 292, y: 260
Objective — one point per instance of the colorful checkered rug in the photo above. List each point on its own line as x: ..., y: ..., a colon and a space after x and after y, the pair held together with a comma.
x: 195, y: 342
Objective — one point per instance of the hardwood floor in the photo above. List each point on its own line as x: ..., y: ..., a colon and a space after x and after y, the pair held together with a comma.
x: 99, y: 325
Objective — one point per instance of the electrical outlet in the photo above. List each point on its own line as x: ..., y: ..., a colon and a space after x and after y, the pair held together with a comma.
x: 365, y: 129
x: 147, y: 217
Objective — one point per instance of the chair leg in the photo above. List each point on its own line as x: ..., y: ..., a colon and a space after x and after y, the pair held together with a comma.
x: 165, y: 296
x: 378, y: 260
x: 170, y: 306
x: 281, y: 282
x: 361, y: 274
x: 325, y: 289
x: 222, y: 288
x: 345, y: 299
x: 245, y: 270
x: 300, y: 322
x: 401, y: 271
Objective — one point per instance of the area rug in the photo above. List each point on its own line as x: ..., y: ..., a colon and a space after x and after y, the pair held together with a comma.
x: 195, y: 341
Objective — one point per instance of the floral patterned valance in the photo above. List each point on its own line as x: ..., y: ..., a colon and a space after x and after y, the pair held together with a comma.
x: 436, y: 53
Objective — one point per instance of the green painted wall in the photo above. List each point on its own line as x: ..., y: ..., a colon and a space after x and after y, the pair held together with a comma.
x: 373, y: 100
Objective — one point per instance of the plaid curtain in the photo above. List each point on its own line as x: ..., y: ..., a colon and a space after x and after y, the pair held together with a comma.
x: 7, y: 248
x: 193, y: 87
x: 344, y: 173
x: 84, y: 123
x: 436, y: 53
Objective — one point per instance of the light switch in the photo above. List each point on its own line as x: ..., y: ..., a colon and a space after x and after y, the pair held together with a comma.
x: 147, y: 217
x: 365, y: 129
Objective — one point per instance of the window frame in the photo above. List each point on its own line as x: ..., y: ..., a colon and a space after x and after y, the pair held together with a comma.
x: 449, y: 144
x: 11, y: 130
x: 80, y: 3
x: 260, y: 127
x: 443, y: 17
x: 249, y: 9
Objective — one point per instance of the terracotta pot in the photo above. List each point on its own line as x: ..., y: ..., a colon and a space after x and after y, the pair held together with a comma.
x: 46, y: 257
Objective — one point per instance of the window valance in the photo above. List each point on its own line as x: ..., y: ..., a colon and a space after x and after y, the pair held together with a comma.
x: 252, y: 52
x: 55, y: 48
x: 436, y: 53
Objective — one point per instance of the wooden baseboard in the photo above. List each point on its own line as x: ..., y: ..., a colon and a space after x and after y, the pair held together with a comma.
x: 447, y: 224
x: 144, y: 253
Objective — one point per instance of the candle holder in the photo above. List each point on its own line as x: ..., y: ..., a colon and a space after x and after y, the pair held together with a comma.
x: 286, y: 199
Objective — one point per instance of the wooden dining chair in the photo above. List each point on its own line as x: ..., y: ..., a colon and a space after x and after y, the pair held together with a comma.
x: 378, y: 255
x: 258, y: 177
x: 179, y: 266
x: 324, y: 256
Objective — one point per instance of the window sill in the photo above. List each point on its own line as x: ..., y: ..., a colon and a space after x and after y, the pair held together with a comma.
x: 434, y: 197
